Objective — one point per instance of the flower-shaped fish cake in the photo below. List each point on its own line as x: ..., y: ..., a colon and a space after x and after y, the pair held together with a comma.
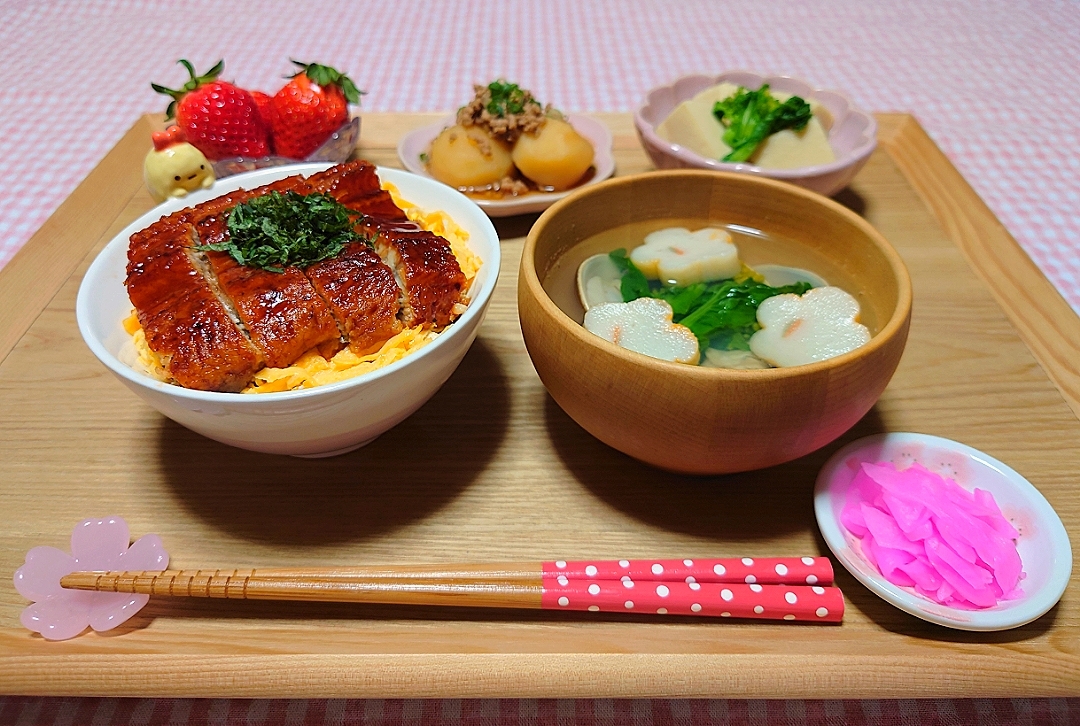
x: 644, y: 325
x: 678, y: 256
x: 799, y: 329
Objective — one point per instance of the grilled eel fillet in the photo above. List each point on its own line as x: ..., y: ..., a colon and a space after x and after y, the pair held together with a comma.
x: 214, y: 322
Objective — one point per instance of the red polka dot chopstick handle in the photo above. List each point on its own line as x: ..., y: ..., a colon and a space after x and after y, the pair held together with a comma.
x: 747, y: 570
x: 806, y: 603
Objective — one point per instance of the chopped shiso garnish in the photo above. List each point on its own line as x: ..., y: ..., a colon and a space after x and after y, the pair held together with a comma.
x: 750, y: 117
x: 279, y: 230
x: 722, y: 314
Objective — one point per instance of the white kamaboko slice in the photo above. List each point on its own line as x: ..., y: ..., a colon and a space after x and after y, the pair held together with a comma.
x: 820, y: 324
x: 644, y: 325
x: 681, y: 257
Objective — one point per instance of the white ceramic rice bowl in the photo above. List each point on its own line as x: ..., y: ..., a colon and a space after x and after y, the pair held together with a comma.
x: 322, y: 421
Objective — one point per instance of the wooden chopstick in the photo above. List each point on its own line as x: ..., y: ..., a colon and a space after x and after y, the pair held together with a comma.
x: 310, y: 585
x: 481, y: 586
x: 769, y: 570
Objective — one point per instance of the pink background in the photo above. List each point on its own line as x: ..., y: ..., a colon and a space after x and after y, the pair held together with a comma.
x: 991, y: 81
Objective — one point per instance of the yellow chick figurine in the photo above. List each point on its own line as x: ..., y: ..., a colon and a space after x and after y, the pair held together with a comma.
x: 174, y: 167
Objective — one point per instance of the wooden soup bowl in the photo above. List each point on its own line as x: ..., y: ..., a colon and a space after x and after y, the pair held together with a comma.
x: 698, y: 420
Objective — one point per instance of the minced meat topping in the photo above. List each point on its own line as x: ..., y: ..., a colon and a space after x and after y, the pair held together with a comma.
x: 504, y: 110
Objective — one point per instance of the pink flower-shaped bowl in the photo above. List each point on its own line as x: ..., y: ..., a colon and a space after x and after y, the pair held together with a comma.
x: 96, y: 544
x: 853, y: 134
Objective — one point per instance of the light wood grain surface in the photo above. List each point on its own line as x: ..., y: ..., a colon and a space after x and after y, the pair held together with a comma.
x: 491, y: 469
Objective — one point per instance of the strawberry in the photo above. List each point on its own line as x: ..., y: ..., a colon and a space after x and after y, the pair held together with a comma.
x: 218, y: 118
x: 262, y: 102
x: 309, y: 108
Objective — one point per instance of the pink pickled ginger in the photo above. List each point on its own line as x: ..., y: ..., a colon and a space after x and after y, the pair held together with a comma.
x: 924, y: 531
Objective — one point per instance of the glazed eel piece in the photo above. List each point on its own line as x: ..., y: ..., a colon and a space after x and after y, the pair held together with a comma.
x: 281, y: 312
x: 184, y: 321
x: 214, y: 322
x: 432, y: 284
x: 359, y: 287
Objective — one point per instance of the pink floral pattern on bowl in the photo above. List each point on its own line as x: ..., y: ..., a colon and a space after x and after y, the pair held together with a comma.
x: 853, y: 135
x: 96, y: 544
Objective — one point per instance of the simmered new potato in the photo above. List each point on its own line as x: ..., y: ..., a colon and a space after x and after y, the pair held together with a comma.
x: 555, y: 156
x: 469, y: 157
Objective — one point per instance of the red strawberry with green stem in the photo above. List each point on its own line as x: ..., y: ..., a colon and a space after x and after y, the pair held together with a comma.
x: 219, y: 119
x: 309, y: 108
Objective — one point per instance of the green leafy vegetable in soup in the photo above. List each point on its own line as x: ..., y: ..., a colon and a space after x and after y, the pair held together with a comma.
x: 721, y: 314
x: 750, y: 117
x: 279, y: 230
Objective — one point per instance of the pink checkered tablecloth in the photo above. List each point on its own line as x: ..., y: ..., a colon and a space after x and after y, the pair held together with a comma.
x: 991, y: 82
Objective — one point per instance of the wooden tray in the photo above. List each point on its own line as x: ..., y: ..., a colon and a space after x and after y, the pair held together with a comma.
x: 492, y: 469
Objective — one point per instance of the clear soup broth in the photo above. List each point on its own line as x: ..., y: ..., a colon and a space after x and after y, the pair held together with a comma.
x: 755, y: 248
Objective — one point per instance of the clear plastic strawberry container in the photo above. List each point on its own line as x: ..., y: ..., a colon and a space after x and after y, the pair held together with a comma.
x: 335, y: 150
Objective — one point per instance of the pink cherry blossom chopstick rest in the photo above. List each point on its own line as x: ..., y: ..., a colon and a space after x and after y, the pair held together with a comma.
x: 96, y: 544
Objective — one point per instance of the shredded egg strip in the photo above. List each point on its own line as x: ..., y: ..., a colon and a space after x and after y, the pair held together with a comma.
x: 312, y: 368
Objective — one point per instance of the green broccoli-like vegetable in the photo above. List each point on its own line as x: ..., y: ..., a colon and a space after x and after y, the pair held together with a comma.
x: 633, y: 284
x: 722, y: 314
x: 750, y: 117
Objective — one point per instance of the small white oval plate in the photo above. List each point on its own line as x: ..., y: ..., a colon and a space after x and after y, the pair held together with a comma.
x: 419, y: 141
x: 1043, y: 544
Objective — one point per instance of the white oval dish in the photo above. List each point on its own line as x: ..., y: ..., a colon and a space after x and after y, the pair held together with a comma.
x: 320, y: 421
x: 1043, y: 544
x: 419, y: 142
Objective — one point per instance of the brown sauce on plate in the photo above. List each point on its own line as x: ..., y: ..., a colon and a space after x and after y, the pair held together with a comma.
x: 495, y: 193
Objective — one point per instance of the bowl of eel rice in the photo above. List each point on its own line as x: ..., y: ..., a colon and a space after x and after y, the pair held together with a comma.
x: 215, y: 325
